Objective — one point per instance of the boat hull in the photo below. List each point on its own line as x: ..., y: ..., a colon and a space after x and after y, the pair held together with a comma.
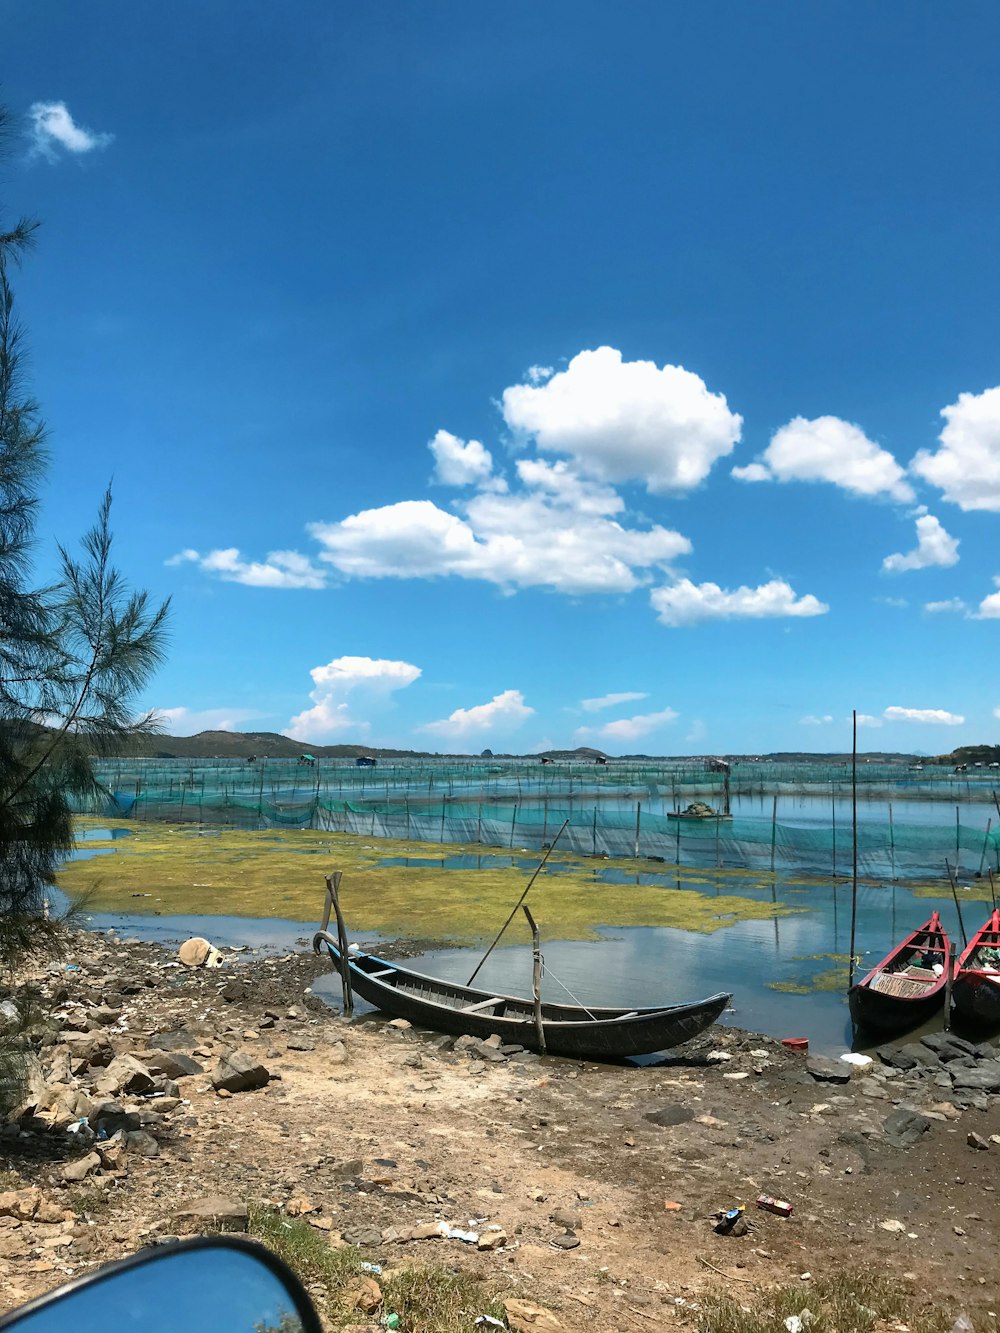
x: 887, y: 1014
x: 596, y: 1034
x: 977, y: 997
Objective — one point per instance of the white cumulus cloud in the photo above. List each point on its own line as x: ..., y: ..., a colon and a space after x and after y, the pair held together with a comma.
x: 189, y: 721
x: 868, y: 720
x: 989, y: 607
x: 560, y: 532
x: 459, y: 462
x: 687, y: 603
x: 938, y: 716
x: 934, y: 547
x: 626, y: 420
x: 811, y: 720
x: 503, y: 713
x: 611, y: 701
x: 950, y: 604
x: 966, y: 467
x: 51, y: 128
x: 344, y: 687
x: 281, y: 569
x: 629, y: 728
x: 833, y: 450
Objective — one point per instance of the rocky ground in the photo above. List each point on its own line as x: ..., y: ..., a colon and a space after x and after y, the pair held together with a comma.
x: 164, y: 1098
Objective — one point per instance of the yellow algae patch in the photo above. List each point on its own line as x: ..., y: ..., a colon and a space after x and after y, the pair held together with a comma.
x: 187, y: 869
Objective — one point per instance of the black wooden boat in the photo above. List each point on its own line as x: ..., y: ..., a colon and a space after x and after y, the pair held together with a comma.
x: 976, y: 989
x: 571, y: 1030
x: 904, y: 989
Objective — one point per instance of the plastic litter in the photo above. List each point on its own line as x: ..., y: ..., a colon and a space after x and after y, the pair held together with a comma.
x: 963, y: 1324
x: 728, y: 1218
x: 392, y: 1320
x: 488, y: 1319
x: 456, y: 1233
x: 366, y: 1267
x: 780, y: 1206
x: 856, y: 1059
x: 795, y: 1043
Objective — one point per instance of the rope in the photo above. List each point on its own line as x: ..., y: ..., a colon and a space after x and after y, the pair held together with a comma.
x: 547, y: 971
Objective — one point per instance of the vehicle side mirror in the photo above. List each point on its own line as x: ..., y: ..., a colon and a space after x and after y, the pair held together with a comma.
x: 215, y: 1284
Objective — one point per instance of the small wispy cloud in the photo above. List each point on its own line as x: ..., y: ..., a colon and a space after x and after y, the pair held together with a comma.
x: 281, y: 569
x: 53, y: 130
x: 611, y: 700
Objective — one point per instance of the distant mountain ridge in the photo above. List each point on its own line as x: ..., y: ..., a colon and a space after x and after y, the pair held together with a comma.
x: 261, y: 744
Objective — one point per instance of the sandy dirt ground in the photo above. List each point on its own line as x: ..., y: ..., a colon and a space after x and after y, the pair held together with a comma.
x: 371, y: 1131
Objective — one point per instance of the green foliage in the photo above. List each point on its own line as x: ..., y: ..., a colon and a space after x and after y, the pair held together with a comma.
x: 73, y: 655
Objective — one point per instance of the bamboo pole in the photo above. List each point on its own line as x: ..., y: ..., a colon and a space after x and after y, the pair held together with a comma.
x: 958, y: 907
x: 519, y: 903
x: 949, y: 957
x: 986, y: 843
x: 774, y: 829
x: 854, y: 840
x: 638, y: 817
x: 993, y: 891
x: 892, y: 843
x: 536, y: 978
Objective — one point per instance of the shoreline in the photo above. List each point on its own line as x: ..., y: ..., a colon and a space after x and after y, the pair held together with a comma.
x: 373, y: 1132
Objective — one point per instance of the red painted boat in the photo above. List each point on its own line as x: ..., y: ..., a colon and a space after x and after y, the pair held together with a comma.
x: 907, y: 986
x: 976, y: 989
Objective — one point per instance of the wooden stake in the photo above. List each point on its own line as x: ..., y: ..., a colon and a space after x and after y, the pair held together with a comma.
x: 638, y: 816
x: 947, y: 986
x: 993, y: 892
x: 333, y: 901
x: 986, y: 843
x: 774, y: 829
x: 536, y: 978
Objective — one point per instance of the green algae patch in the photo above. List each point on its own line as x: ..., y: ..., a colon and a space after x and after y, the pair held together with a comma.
x: 183, y: 869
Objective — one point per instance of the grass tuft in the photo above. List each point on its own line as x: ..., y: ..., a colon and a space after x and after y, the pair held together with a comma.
x: 429, y: 1298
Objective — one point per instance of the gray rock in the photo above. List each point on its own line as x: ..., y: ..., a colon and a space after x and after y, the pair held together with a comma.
x: 564, y: 1217
x: 896, y: 1058
x: 825, y: 1070
x: 363, y: 1236
x: 124, y: 1074
x: 984, y: 1078
x: 300, y: 1044
x: 567, y: 1241
x: 81, y: 1168
x: 465, y: 1043
x: 174, y: 1066
x: 669, y: 1115
x: 112, y: 1117
x: 903, y: 1127
x: 946, y: 1045
x: 977, y: 1141
x: 239, y: 1071
x: 179, y: 1040
x: 141, y: 1143
x: 223, y: 1214
x: 920, y: 1053
x: 348, y: 1170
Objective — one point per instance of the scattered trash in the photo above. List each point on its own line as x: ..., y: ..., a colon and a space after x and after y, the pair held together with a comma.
x: 780, y: 1206
x: 488, y: 1319
x: 856, y: 1059
x: 796, y: 1043
x: 392, y: 1320
x: 366, y: 1267
x: 455, y: 1233
x: 794, y: 1323
x: 731, y: 1221
x: 963, y: 1324
x: 718, y: 1056
x: 891, y: 1224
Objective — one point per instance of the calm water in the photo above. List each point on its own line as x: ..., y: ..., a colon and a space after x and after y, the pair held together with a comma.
x: 643, y: 966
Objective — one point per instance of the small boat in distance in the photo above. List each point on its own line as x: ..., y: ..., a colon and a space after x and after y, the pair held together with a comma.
x: 907, y: 986
x: 570, y: 1030
x: 976, y: 989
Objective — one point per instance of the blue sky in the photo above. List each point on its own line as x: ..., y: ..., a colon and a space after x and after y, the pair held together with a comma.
x: 530, y: 375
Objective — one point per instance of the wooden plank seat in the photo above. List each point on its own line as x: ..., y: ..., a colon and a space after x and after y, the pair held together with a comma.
x: 483, y: 1004
x: 901, y: 985
x: 385, y: 972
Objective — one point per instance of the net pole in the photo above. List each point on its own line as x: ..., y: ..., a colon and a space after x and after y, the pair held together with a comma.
x: 774, y: 829
x: 892, y: 844
x: 854, y: 841
x: 638, y: 817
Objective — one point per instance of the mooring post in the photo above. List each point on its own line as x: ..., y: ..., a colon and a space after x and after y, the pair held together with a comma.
x: 638, y: 817
x: 333, y: 902
x: 536, y: 978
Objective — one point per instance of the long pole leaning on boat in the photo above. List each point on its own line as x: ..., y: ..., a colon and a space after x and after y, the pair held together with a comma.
x: 514, y: 910
x: 854, y: 840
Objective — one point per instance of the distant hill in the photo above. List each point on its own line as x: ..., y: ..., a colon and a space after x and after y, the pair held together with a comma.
x: 262, y: 744
x: 969, y: 754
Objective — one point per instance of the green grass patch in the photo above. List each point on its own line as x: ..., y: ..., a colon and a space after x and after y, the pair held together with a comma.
x: 844, y: 1302
x: 429, y: 1298
x: 183, y: 869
